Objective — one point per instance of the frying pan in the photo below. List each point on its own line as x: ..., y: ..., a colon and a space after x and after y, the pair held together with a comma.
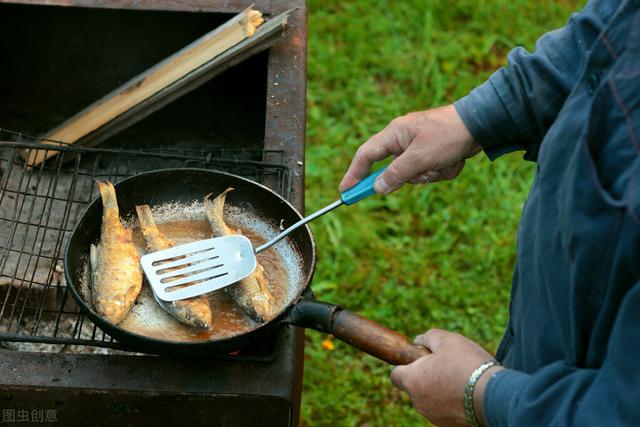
x: 188, y: 185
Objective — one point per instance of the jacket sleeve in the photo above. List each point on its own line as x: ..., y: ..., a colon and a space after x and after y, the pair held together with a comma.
x: 514, y: 108
x: 563, y: 395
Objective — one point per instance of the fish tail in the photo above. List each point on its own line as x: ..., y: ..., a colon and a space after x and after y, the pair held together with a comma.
x: 154, y: 239
x: 214, y: 210
x: 145, y: 217
x: 108, y: 193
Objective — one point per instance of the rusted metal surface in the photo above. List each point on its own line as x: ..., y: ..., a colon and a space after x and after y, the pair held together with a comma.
x: 94, y: 407
x: 286, y: 95
x: 129, y: 390
x: 221, y: 6
x: 146, y: 373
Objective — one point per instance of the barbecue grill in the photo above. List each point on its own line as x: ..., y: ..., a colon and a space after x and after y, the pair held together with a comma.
x: 54, y: 363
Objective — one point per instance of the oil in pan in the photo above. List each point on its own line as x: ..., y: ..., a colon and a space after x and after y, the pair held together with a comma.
x: 184, y: 223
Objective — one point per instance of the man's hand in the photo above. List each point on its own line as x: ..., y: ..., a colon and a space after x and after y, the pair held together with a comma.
x: 429, y: 146
x: 436, y: 382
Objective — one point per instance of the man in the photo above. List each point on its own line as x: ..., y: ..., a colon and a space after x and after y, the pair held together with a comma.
x: 571, y: 351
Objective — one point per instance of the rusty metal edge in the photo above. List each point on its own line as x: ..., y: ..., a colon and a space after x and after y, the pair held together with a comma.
x: 96, y: 407
x: 161, y: 374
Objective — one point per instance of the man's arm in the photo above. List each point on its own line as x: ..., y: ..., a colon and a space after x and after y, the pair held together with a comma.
x: 514, y: 109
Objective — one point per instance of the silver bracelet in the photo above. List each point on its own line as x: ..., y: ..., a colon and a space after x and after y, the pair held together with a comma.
x: 468, y: 392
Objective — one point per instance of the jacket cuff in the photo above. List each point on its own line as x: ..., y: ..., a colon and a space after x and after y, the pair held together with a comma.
x: 487, y: 114
x: 502, y: 394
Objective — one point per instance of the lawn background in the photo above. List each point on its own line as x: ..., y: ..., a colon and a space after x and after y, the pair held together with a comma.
x: 426, y: 256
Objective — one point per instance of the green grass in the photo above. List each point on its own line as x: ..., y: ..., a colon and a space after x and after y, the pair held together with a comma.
x: 425, y: 256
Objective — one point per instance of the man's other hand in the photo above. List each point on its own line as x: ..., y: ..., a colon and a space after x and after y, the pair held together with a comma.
x: 429, y: 146
x: 436, y: 382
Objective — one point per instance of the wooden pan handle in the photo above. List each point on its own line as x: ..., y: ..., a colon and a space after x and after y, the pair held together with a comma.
x: 375, y: 339
x: 347, y: 326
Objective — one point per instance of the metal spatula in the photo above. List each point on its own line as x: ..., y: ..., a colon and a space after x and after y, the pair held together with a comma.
x: 204, y: 266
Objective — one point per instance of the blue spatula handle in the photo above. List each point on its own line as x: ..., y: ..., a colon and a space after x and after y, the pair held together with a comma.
x: 361, y: 190
x: 356, y: 193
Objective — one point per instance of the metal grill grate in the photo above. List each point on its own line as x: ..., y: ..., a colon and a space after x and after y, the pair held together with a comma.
x: 40, y: 206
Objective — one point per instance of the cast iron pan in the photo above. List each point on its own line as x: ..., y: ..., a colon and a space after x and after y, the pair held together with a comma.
x: 189, y: 185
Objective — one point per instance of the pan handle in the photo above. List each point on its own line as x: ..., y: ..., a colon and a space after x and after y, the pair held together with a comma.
x: 364, y: 334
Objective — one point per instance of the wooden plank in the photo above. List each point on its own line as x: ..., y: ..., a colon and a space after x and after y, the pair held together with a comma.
x: 151, y: 81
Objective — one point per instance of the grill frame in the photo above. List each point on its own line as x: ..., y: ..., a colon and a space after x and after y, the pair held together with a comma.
x: 81, y: 166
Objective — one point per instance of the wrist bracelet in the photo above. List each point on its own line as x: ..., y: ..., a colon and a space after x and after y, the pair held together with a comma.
x: 468, y: 392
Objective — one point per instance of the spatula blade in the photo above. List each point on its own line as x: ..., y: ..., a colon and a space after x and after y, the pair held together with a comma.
x: 196, y: 268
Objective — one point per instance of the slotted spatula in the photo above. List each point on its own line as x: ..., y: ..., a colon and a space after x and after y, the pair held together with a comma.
x: 197, y: 268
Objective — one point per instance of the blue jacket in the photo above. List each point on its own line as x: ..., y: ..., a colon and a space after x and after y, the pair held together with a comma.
x: 572, y: 344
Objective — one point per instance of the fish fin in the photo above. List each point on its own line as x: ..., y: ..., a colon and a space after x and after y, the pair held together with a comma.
x: 132, y: 294
x: 93, y: 257
x: 94, y: 260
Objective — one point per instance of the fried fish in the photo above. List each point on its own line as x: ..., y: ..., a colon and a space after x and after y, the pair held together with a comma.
x: 115, y: 262
x: 251, y: 293
x: 195, y: 311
